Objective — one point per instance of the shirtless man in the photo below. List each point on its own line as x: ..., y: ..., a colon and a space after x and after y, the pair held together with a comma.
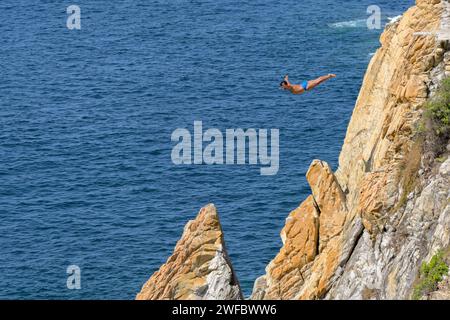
x: 305, y: 85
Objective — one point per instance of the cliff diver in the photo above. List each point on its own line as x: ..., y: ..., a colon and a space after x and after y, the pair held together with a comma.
x: 305, y: 85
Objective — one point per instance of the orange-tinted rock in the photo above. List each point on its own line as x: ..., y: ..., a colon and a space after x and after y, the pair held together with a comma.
x: 199, y: 268
x: 329, y: 198
x: 372, y: 200
x: 301, y: 234
x: 313, y: 227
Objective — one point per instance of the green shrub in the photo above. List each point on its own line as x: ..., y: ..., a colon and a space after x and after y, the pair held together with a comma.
x: 441, y: 159
x: 430, y: 275
x: 438, y: 110
x: 430, y: 137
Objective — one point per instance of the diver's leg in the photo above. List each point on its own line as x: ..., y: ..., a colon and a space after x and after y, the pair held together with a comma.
x: 314, y: 83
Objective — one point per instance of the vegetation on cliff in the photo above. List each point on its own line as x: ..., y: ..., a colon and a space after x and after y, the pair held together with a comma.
x: 432, y: 137
x: 434, y: 134
x: 430, y: 275
x: 438, y: 112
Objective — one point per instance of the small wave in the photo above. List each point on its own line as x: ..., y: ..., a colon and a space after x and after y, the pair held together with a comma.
x: 359, y: 23
x: 392, y: 20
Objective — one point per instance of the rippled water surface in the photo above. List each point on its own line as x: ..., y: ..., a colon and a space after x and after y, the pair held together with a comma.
x: 86, y: 119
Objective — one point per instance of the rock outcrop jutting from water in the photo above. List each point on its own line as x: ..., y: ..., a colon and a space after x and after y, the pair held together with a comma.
x: 366, y: 228
x: 199, y: 268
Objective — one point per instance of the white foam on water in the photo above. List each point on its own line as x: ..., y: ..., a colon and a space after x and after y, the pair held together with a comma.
x: 359, y: 23
x: 394, y: 19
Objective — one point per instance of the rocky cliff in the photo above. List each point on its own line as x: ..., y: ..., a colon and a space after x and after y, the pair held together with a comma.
x: 366, y: 228
x: 199, y: 268
x: 369, y: 225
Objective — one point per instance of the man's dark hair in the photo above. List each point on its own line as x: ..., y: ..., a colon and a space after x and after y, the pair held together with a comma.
x: 282, y: 83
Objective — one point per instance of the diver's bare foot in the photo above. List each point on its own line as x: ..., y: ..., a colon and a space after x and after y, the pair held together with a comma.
x: 332, y: 75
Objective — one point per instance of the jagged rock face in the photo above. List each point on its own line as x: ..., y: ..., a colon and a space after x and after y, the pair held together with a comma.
x: 366, y: 244
x: 199, y: 268
x: 385, y: 267
x: 302, y: 234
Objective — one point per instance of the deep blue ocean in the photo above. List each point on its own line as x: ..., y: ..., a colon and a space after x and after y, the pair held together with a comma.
x: 86, y: 118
